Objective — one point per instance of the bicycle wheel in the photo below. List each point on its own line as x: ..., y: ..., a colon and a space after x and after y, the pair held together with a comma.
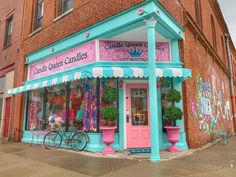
x: 52, y: 140
x: 79, y: 140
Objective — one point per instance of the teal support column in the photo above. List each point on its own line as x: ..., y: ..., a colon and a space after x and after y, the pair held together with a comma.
x: 159, y: 112
x: 155, y: 154
x: 175, y: 51
x: 182, y: 144
x: 121, y: 118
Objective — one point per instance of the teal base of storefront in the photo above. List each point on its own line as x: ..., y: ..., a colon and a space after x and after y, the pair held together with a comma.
x: 95, y: 142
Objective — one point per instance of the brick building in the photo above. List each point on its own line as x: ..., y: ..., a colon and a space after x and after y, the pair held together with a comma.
x: 11, y: 15
x: 188, y: 34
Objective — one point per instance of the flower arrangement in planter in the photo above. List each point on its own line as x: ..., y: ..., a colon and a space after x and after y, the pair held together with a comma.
x: 173, y: 113
x: 110, y: 115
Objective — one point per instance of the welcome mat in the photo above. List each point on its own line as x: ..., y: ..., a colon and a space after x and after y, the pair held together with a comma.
x: 139, y: 150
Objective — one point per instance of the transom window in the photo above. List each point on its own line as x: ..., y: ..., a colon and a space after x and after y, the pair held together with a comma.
x: 8, y: 34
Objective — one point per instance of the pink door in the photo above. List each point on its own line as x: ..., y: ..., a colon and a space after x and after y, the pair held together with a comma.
x: 137, y: 119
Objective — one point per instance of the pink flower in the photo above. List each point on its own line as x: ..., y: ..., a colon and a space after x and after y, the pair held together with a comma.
x: 86, y: 34
x: 140, y: 11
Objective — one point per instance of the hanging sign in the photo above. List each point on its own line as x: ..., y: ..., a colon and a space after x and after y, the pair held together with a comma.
x: 132, y: 51
x: 75, y: 57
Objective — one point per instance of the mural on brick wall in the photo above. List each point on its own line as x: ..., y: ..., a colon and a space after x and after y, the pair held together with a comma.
x: 209, y: 108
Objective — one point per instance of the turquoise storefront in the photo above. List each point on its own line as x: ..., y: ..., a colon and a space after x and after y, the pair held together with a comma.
x: 135, y: 52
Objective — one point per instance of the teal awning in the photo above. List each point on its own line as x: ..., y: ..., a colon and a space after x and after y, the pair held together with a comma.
x: 104, y: 72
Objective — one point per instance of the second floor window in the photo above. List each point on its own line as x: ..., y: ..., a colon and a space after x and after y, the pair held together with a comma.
x: 65, y: 5
x: 198, y: 12
x: 213, y: 33
x: 8, y: 34
x: 38, y: 14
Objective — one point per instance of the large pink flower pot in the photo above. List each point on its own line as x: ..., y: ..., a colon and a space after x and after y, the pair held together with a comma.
x: 108, y: 139
x: 173, y: 137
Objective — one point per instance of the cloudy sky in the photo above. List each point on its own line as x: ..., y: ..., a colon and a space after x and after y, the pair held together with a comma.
x: 228, y: 8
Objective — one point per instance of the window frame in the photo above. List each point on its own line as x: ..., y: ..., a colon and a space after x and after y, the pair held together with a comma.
x: 61, y: 6
x: 198, y: 12
x: 8, y: 31
x: 38, y: 19
x: 213, y: 31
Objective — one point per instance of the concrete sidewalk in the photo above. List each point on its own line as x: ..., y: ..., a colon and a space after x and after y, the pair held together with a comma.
x: 22, y: 160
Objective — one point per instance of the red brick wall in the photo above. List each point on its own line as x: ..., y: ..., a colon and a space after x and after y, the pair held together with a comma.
x: 9, y: 55
x: 204, y: 65
x: 174, y: 8
x: 85, y: 13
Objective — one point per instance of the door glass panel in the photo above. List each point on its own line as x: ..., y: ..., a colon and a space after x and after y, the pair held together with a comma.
x: 139, y: 107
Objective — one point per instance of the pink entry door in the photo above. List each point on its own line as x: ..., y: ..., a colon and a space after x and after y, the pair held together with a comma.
x: 137, y: 116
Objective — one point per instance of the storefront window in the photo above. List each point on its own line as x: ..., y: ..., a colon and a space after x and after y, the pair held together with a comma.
x: 166, y: 85
x: 76, y: 106
x: 56, y: 102
x: 35, y: 111
x: 76, y: 103
x: 107, y: 83
x: 89, y: 104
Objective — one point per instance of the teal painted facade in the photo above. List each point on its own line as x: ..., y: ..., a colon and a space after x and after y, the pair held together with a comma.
x: 155, y: 19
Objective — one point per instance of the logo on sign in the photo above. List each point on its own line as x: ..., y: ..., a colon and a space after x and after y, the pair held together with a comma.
x: 135, y: 52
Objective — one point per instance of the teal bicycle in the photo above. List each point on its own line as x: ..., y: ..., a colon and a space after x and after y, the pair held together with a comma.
x: 77, y: 139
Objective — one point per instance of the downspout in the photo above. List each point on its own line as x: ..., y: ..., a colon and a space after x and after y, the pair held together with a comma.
x: 231, y: 79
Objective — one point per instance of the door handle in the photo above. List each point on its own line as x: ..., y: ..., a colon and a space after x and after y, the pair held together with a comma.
x: 127, y: 118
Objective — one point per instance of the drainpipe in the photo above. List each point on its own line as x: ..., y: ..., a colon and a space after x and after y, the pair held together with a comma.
x: 231, y: 79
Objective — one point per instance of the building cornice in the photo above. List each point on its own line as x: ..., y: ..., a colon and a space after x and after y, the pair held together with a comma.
x: 191, y: 24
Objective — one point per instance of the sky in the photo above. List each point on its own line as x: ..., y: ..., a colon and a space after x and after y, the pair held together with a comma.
x: 228, y: 8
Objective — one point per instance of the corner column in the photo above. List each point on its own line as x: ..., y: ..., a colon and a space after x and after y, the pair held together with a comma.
x: 153, y: 109
x: 182, y: 144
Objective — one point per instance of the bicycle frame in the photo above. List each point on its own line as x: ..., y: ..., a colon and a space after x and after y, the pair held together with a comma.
x: 66, y: 139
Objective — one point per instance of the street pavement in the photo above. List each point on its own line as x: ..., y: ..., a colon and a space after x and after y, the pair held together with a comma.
x: 23, y: 160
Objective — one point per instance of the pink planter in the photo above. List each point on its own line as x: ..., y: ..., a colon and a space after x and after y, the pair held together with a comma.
x: 173, y: 137
x: 108, y: 139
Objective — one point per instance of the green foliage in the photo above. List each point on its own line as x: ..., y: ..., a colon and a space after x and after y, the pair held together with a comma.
x: 165, y: 82
x: 110, y: 113
x: 109, y: 94
x: 173, y: 113
x: 173, y: 96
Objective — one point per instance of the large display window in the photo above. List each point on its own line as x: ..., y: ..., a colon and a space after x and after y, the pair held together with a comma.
x: 78, y: 104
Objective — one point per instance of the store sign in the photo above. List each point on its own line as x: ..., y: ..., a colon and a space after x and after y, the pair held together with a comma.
x: 73, y: 58
x: 132, y: 51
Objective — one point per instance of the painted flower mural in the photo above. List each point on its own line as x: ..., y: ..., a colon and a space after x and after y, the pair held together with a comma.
x: 208, y: 107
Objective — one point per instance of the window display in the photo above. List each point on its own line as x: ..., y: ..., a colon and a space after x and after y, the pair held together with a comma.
x: 74, y: 103
x: 56, y: 102
x: 35, y: 120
